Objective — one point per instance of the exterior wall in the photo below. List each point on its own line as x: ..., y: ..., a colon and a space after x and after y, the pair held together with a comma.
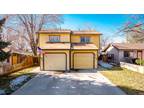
x: 121, y: 55
x: 44, y: 38
x: 85, y: 51
x: 113, y: 50
x: 135, y: 54
x: 75, y: 39
x: 55, y: 51
x: 95, y: 39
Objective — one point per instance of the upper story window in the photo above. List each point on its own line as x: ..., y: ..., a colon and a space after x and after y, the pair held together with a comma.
x: 54, y: 38
x: 85, y: 39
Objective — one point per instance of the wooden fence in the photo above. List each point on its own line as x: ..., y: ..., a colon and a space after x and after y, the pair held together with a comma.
x: 28, y: 62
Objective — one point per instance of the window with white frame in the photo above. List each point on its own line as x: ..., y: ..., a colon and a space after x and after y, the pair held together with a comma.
x: 85, y: 39
x: 54, y: 38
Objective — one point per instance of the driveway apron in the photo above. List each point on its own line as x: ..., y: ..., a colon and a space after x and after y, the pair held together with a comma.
x: 83, y: 82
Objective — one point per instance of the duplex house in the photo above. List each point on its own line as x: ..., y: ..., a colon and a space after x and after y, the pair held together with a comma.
x: 120, y: 51
x: 66, y: 49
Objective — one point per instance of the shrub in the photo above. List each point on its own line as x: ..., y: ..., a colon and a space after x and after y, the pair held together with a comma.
x: 138, y: 61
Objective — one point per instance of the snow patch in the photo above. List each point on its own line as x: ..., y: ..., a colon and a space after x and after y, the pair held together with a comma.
x: 2, y: 92
x: 105, y: 65
x: 17, y: 81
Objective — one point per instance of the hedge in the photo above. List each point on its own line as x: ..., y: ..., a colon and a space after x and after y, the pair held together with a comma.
x: 138, y: 61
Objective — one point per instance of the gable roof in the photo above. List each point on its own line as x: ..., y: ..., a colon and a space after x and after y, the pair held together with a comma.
x: 55, y: 31
x: 126, y: 46
x: 69, y: 31
x: 86, y: 32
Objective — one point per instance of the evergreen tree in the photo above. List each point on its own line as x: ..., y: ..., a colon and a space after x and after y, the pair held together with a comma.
x: 3, y: 55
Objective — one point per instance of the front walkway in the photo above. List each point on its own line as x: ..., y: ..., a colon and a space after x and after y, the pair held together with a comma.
x: 84, y: 82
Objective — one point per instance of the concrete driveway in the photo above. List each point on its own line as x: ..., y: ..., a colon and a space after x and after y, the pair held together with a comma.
x: 83, y: 82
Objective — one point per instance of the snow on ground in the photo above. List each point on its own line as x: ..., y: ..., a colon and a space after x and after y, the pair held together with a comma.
x: 105, y: 65
x: 17, y: 81
x: 2, y: 92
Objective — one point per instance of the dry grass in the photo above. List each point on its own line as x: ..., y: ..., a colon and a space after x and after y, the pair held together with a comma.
x: 129, y: 81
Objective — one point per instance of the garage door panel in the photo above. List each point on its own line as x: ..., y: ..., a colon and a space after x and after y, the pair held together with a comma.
x: 83, y: 60
x: 55, y: 62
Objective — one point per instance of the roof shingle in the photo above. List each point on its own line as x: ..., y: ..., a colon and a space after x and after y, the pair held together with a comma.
x: 129, y: 46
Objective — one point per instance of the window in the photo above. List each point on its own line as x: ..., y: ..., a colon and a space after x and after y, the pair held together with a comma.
x: 126, y: 53
x: 54, y: 39
x: 85, y: 39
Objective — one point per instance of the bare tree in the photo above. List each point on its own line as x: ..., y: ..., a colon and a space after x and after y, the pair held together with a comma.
x: 17, y: 38
x: 27, y: 26
x: 88, y: 27
x: 134, y: 29
x: 105, y: 41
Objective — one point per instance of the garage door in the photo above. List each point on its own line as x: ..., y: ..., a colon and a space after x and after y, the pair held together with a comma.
x: 83, y: 61
x: 54, y: 62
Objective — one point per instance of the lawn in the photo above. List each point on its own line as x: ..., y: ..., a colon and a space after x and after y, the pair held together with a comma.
x: 130, y: 82
x: 10, y: 83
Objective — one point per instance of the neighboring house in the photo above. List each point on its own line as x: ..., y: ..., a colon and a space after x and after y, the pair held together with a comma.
x: 66, y: 49
x: 18, y: 60
x: 18, y: 56
x: 120, y: 51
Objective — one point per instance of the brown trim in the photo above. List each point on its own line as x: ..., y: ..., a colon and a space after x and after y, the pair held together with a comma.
x: 55, y: 53
x: 85, y: 53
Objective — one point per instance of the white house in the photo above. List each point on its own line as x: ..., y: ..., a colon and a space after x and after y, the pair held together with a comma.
x: 119, y: 51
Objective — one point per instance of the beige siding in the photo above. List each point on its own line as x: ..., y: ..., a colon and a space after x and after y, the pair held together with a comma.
x: 95, y: 39
x: 75, y: 39
x: 44, y: 38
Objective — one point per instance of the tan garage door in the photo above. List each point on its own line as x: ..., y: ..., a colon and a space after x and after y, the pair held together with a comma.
x: 54, y: 62
x: 83, y: 61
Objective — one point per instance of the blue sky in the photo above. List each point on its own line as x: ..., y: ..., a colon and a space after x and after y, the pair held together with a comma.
x: 107, y: 24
